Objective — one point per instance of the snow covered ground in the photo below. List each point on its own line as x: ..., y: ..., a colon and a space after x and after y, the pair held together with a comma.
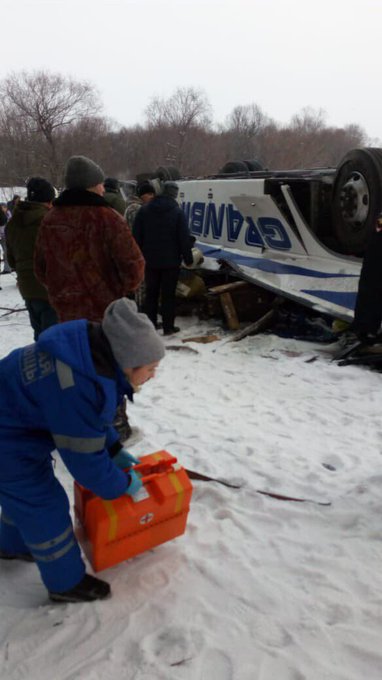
x: 257, y: 588
x: 6, y: 193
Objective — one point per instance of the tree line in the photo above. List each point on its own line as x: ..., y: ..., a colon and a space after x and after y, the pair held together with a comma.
x: 46, y: 117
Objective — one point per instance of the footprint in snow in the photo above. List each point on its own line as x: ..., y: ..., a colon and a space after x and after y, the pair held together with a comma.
x: 216, y: 666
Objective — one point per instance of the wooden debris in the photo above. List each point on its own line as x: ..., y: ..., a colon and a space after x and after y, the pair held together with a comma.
x: 204, y: 339
x: 229, y: 287
x: 229, y: 311
x: 260, y: 324
x: 255, y: 327
x: 185, y: 348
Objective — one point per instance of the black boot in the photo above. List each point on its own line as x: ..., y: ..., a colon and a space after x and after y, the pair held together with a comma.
x: 88, y: 589
x: 171, y: 331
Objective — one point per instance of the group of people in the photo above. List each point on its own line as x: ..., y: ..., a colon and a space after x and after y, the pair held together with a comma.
x: 79, y: 262
x: 73, y: 255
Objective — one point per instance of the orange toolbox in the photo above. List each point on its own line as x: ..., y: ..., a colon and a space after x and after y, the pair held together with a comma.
x: 113, y: 531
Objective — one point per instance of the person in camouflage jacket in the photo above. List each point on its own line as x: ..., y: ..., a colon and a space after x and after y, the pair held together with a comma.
x: 85, y: 253
x: 113, y: 195
x: 145, y: 192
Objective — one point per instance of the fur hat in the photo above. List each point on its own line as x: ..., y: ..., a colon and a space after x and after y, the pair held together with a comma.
x: 82, y: 173
x: 133, y: 338
x: 145, y: 188
x: 39, y: 190
x: 171, y: 190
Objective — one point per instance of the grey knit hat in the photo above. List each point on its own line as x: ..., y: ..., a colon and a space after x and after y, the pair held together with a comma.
x: 82, y: 173
x: 170, y: 189
x: 132, y: 336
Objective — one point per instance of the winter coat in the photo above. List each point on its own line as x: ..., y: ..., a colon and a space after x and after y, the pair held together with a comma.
x: 134, y: 203
x: 21, y: 234
x: 161, y: 231
x: 53, y: 397
x: 86, y: 256
x: 116, y: 200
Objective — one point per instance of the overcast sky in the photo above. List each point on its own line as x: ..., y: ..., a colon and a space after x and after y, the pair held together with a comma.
x: 283, y: 55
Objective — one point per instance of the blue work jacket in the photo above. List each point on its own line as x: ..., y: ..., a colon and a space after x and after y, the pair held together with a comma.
x: 52, y: 397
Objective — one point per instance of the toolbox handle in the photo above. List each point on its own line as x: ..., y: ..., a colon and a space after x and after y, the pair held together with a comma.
x: 150, y: 471
x: 148, y: 478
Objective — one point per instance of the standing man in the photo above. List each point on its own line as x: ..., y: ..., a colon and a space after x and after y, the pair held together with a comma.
x: 21, y: 236
x: 161, y: 231
x: 85, y: 254
x: 368, y: 308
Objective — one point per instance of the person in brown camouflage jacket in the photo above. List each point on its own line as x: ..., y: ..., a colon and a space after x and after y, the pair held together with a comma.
x: 145, y: 192
x: 85, y: 253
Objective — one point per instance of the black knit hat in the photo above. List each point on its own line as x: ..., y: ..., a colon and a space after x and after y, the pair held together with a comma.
x: 82, y: 173
x: 145, y: 188
x: 39, y: 190
x: 111, y: 184
x: 171, y: 190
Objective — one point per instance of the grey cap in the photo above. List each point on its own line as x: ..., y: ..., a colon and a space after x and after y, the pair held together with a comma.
x: 171, y: 189
x: 82, y: 173
x: 133, y: 338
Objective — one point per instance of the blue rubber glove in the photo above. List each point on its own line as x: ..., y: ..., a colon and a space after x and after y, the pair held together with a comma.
x: 135, y: 483
x: 124, y: 459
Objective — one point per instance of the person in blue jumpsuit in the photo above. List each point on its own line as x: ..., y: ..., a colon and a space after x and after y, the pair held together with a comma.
x: 61, y: 393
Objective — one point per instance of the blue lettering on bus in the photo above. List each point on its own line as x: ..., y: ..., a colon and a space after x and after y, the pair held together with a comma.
x: 252, y: 235
x: 234, y: 223
x: 213, y: 221
x: 204, y: 220
x: 274, y: 233
x: 197, y: 218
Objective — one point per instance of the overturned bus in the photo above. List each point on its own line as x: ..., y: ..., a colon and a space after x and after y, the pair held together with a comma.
x: 298, y: 233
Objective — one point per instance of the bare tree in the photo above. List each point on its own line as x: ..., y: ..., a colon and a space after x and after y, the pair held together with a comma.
x: 187, y: 109
x: 46, y: 103
x: 244, y: 128
x: 247, y: 120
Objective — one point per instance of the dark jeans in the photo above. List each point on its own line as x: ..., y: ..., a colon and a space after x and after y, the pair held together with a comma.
x: 41, y: 315
x: 161, y: 283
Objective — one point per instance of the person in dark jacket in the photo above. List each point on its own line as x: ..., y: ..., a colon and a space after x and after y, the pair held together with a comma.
x: 113, y: 195
x: 368, y: 307
x: 61, y: 393
x: 21, y: 236
x: 161, y: 231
